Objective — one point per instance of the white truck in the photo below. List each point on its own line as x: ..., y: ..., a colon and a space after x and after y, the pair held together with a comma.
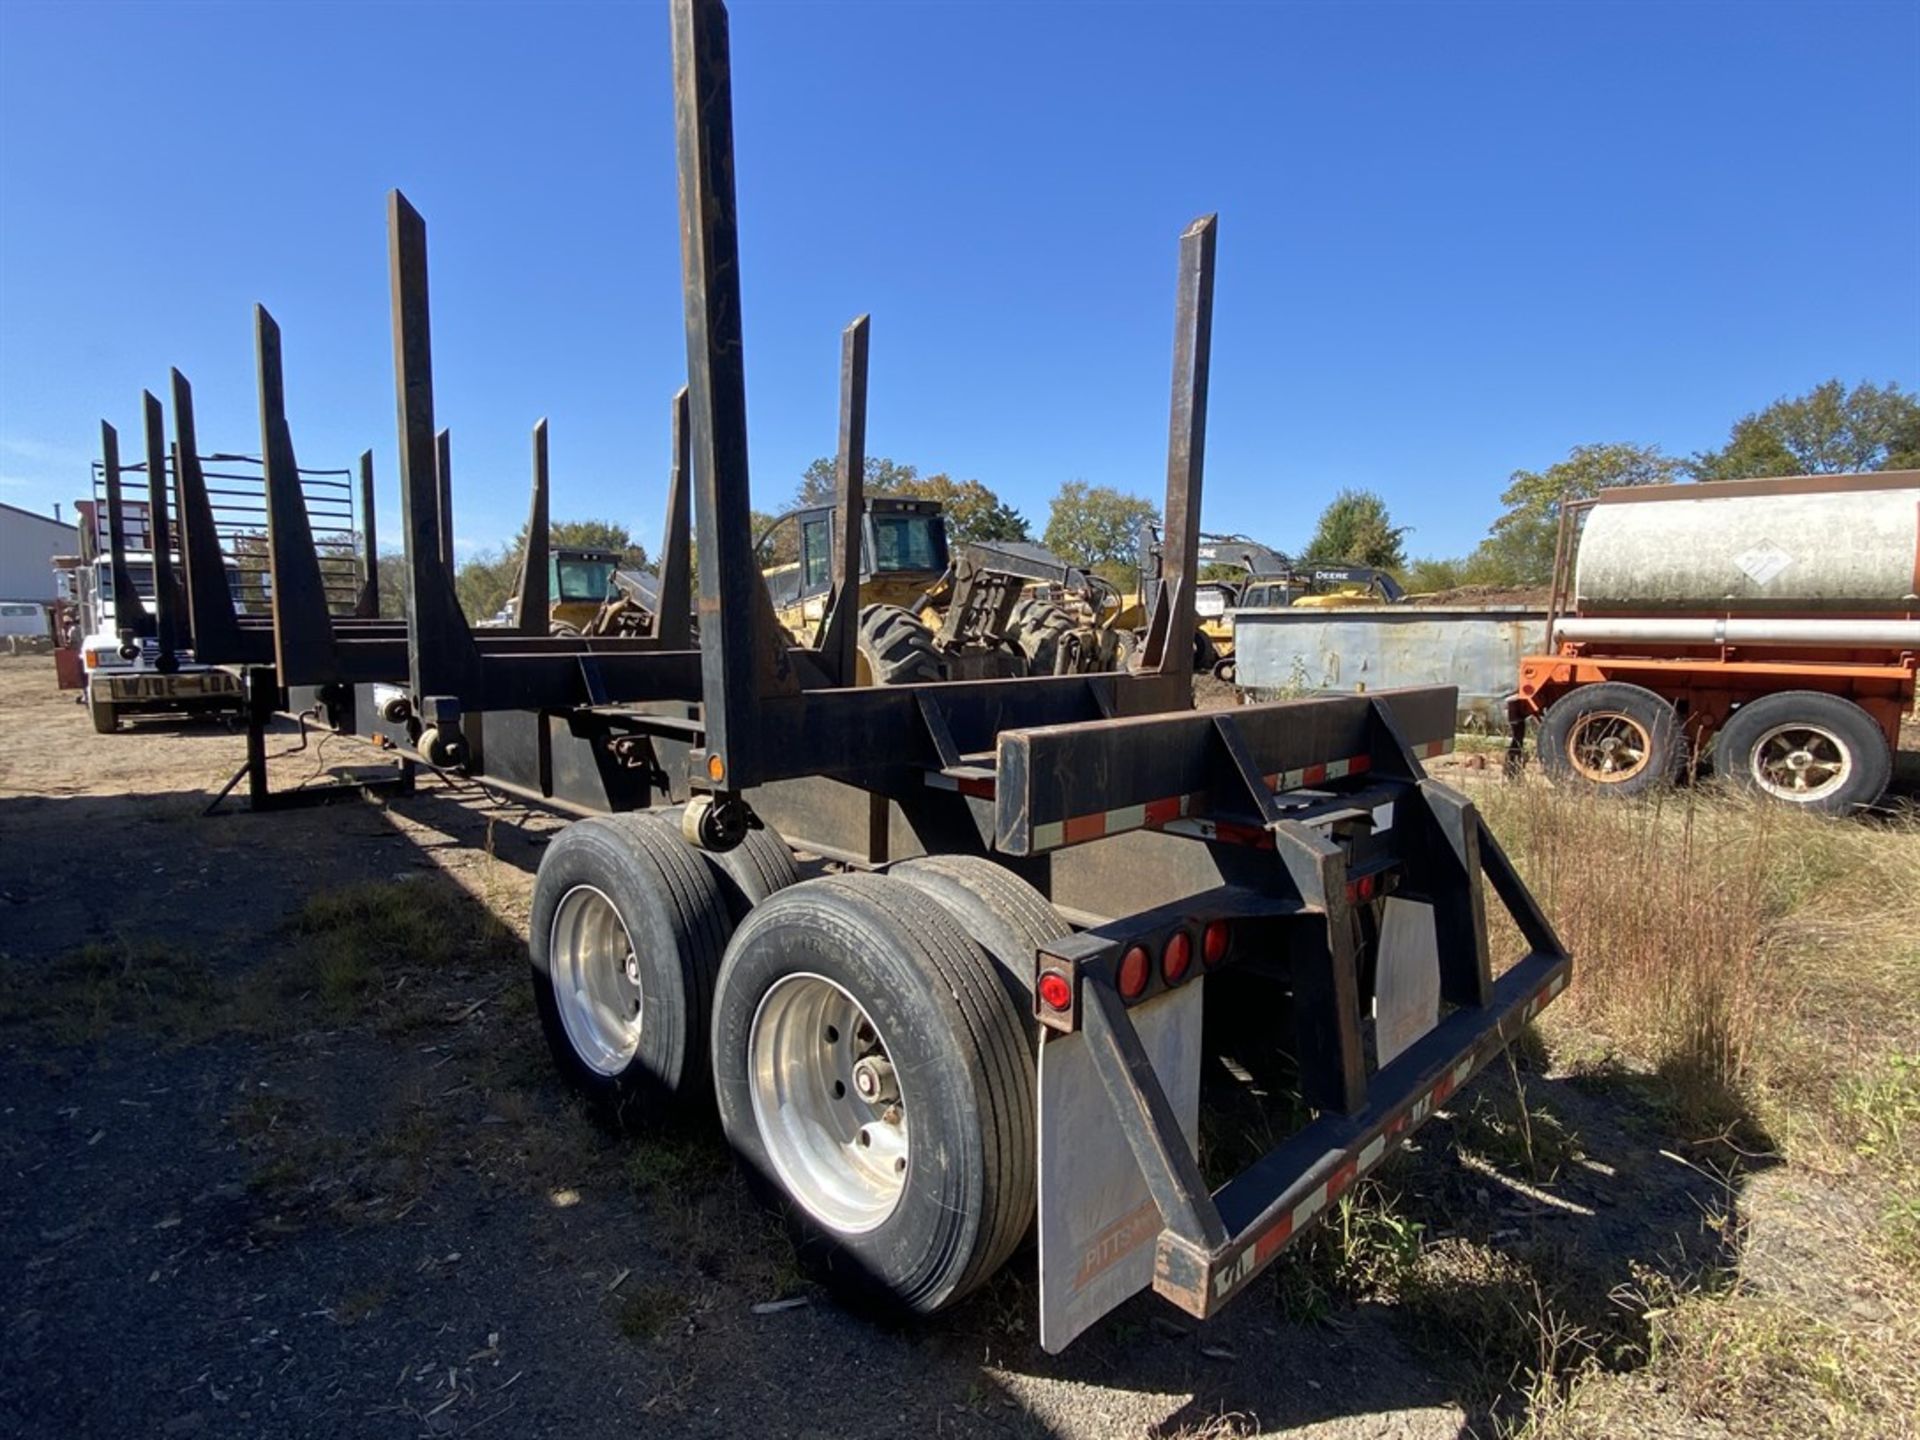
x: 121, y: 671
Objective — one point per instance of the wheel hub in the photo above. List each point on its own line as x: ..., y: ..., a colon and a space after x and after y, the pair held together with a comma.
x: 596, y: 980
x: 827, y: 1103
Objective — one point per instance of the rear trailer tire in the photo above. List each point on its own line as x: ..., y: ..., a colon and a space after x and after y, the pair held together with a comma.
x: 759, y: 866
x: 106, y: 720
x: 627, y: 931
x: 1004, y: 915
x: 1612, y: 738
x: 1813, y: 751
x: 897, y: 646
x: 907, y: 1199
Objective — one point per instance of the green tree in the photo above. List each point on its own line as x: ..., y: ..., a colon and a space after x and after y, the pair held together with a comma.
x: 1829, y: 430
x: 1518, y: 549
x: 1431, y: 573
x: 973, y: 510
x: 589, y: 535
x: 392, y: 581
x: 484, y: 581
x: 1355, y: 528
x: 1099, y: 527
x: 782, y: 547
x: 883, y: 477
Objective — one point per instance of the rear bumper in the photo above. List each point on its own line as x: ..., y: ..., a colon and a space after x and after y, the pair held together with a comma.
x: 1273, y: 1201
x: 182, y: 690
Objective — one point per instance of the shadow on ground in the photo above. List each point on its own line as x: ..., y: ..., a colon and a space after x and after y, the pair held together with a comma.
x: 279, y: 1165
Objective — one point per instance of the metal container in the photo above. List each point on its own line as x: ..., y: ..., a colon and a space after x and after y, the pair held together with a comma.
x: 1766, y: 547
x: 1282, y: 653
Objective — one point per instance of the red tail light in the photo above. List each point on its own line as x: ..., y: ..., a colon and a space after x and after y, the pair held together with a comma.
x: 1135, y: 966
x: 1362, y: 888
x: 1214, y: 941
x: 1055, y: 992
x: 1178, y: 958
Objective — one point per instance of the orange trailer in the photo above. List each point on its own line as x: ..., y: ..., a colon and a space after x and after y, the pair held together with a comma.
x: 1768, y: 628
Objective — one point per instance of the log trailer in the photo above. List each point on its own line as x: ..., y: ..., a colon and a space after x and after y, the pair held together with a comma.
x: 131, y: 652
x: 345, y: 668
x: 1770, y: 627
x: 1047, y: 899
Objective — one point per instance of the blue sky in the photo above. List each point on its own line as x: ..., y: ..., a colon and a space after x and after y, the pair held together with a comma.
x: 1455, y: 239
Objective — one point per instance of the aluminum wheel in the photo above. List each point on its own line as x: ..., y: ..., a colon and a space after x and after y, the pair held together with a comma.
x: 1801, y: 762
x: 1609, y: 746
x: 827, y: 1103
x: 596, y: 980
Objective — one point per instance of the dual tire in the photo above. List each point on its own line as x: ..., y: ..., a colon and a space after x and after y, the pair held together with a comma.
x: 868, y: 1039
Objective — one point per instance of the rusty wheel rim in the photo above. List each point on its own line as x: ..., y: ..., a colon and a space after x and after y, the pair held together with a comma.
x: 1609, y: 746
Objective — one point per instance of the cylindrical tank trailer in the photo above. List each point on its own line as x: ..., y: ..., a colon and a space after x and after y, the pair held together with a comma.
x: 1768, y: 629
x: 1819, y: 551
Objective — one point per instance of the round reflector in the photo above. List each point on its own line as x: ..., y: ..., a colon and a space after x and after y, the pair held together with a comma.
x: 1214, y: 941
x: 1135, y: 966
x: 1178, y: 958
x: 1055, y: 992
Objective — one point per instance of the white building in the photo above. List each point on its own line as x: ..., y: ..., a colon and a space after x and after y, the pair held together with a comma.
x: 28, y: 543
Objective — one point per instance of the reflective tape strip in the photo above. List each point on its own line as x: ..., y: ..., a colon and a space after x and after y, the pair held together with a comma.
x: 1315, y: 774
x: 1357, y: 1163
x: 1174, y: 814
x: 978, y: 786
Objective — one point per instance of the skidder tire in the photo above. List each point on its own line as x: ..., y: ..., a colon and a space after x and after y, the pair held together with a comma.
x: 1038, y: 629
x: 759, y: 866
x: 1612, y: 738
x: 1206, y: 654
x: 897, y: 646
x: 1803, y: 748
x: 627, y: 932
x: 876, y: 1081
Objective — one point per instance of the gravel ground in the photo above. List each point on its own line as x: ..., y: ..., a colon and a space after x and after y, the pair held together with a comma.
x: 237, y: 1207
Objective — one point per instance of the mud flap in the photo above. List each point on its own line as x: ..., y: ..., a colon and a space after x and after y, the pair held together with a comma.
x: 1098, y: 1224
x: 1406, y: 1001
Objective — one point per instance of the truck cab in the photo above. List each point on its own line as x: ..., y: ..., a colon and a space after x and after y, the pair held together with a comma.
x: 121, y: 672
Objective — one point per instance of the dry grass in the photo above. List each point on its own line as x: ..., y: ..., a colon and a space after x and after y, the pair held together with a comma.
x: 1758, y: 963
x: 1757, y: 974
